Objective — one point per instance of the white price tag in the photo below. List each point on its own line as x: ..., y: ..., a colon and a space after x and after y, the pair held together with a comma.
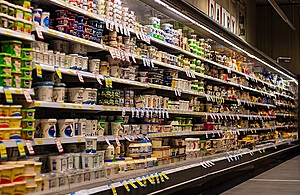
x: 107, y: 141
x: 98, y: 78
x: 159, y: 113
x: 152, y: 64
x: 163, y: 113
x: 123, y: 112
x: 27, y: 96
x: 117, y: 140
x: 59, y: 145
x: 144, y: 61
x: 147, y: 112
x: 39, y: 32
x: 29, y: 147
x: 151, y: 113
x: 167, y: 114
x: 142, y: 112
x: 132, y: 112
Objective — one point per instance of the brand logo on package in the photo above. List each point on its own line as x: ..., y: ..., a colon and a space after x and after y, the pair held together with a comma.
x: 221, y: 16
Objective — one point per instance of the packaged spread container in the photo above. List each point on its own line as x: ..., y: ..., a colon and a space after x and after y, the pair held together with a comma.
x: 14, y: 123
x: 20, y: 188
x: 27, y: 133
x: 58, y: 163
x: 15, y: 134
x: 45, y: 91
x: 26, y: 72
x: 15, y: 110
x: 6, y: 174
x: 30, y: 189
x: 28, y: 113
x: 5, y: 59
x: 12, y: 47
x: 16, y: 64
x: 5, y: 80
x: 5, y: 69
x: 48, y: 127
x: 28, y: 166
x: 26, y: 82
x: 39, y: 183
x: 66, y: 127
x: 59, y: 92
x: 16, y: 80
x: 26, y: 53
x: 49, y: 181
x: 27, y: 27
x: 4, y: 7
x: 27, y: 63
x: 8, y: 188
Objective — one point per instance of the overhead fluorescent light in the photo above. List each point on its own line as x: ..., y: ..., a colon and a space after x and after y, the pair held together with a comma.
x: 281, y: 13
x: 223, y: 39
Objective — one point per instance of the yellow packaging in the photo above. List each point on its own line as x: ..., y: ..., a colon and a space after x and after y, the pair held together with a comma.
x: 5, y: 134
x: 30, y: 179
x: 4, y: 123
x: 15, y: 111
x: 5, y: 110
x: 8, y: 188
x: 30, y: 189
x: 6, y: 174
x: 14, y: 123
x: 17, y: 172
x: 39, y: 183
x: 38, y: 169
x: 20, y: 188
x: 29, y: 166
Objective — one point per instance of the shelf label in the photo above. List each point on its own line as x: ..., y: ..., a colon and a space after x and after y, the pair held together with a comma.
x: 38, y: 31
x: 27, y: 96
x: 117, y: 140
x: 38, y: 68
x: 124, y: 183
x: 21, y: 148
x: 29, y: 147
x: 92, y: 107
x: 59, y: 145
x: 132, y: 184
x: 113, y: 189
x: 3, y: 152
x: 8, y: 95
x: 107, y: 141
x: 99, y: 78
x: 58, y: 72
x: 64, y: 106
x: 39, y: 142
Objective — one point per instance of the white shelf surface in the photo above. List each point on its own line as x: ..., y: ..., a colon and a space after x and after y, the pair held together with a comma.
x: 18, y: 91
x: 15, y: 34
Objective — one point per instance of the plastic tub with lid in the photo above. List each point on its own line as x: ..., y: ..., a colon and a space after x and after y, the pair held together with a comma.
x: 48, y: 127
x: 12, y: 47
x: 66, y: 127
x: 28, y: 166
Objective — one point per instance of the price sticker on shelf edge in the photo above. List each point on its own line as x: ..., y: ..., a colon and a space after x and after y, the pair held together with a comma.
x: 38, y: 68
x: 21, y: 148
x: 3, y: 152
x: 139, y: 182
x: 27, y: 96
x: 59, y: 145
x: 8, y: 95
x: 58, y: 72
x: 133, y: 58
x: 38, y: 31
x: 29, y: 147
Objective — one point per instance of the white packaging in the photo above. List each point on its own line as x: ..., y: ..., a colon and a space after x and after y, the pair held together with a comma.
x: 48, y: 127
x: 51, y: 58
x: 81, y: 127
x: 62, y: 60
x: 76, y: 159
x: 75, y: 95
x: 86, y: 96
x: 65, y: 127
x: 56, y: 57
x: 74, y: 61
x: 87, y: 160
x: 79, y: 64
x: 88, y: 128
x: 94, y: 127
x: 44, y: 91
x: 84, y: 65
x: 59, y: 92
x: 58, y: 163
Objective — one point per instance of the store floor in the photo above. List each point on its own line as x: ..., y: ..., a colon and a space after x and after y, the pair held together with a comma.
x: 283, y: 179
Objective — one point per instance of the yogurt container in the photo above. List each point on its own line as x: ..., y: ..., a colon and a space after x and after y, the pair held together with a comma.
x: 58, y: 163
x: 94, y: 65
x: 59, y: 92
x: 48, y: 127
x: 6, y: 174
x: 45, y: 91
x: 5, y: 69
x: 5, y: 59
x: 20, y: 188
x: 28, y: 113
x: 45, y: 19
x: 75, y: 95
x: 26, y: 82
x: 87, y: 160
x: 66, y: 127
x: 8, y: 188
x: 16, y: 63
x: 12, y: 47
x: 5, y: 80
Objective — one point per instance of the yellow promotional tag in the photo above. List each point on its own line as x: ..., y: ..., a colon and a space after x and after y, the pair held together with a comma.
x: 124, y: 183
x: 275, y: 146
x: 157, y: 179
x: 251, y: 153
x: 165, y: 176
x: 132, y: 184
x: 3, y: 152
x: 139, y: 182
x: 145, y: 181
x: 113, y: 189
x: 38, y: 68
x: 150, y: 180
x: 161, y: 178
x: 58, y: 72
x: 21, y: 148
x: 263, y: 150
x: 8, y: 95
